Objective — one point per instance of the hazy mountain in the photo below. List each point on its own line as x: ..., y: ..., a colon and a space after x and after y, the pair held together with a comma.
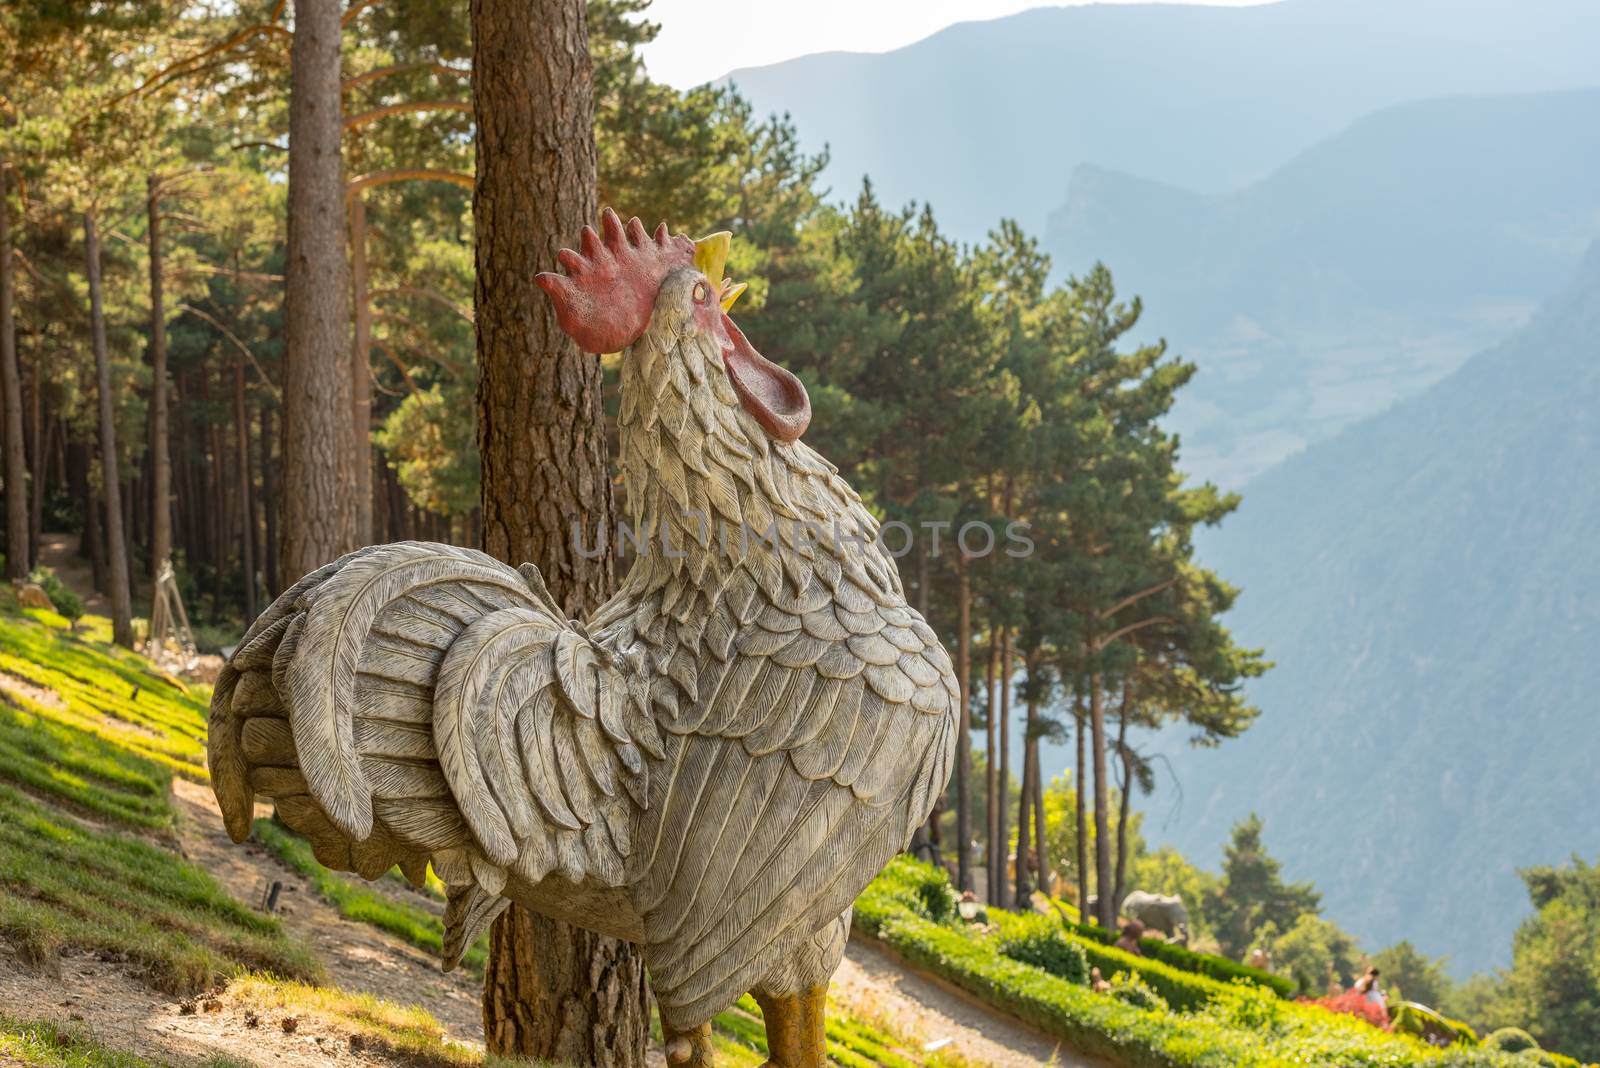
x: 1359, y: 272
x: 1429, y: 585
x: 990, y: 119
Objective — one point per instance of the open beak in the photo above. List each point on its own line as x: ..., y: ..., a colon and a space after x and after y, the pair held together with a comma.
x: 710, y: 259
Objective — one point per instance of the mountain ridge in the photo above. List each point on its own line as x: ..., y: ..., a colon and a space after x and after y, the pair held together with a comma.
x: 1428, y: 607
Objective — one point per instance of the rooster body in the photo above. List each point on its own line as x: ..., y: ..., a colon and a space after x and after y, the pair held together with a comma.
x: 713, y: 766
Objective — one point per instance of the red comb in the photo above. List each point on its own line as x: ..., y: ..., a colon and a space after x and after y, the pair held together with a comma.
x: 603, y: 302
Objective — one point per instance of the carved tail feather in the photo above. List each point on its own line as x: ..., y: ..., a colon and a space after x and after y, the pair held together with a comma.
x: 327, y: 706
x: 469, y: 912
x: 418, y: 703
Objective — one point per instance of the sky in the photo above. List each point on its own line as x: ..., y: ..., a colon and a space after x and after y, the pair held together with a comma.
x: 702, y: 40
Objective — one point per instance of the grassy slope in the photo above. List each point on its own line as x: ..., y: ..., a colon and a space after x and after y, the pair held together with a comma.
x: 85, y: 824
x: 85, y: 812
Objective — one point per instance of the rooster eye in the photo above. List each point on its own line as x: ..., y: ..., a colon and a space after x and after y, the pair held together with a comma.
x: 701, y: 292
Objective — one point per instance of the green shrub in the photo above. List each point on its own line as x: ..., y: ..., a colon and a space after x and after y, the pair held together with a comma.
x: 1046, y: 947
x: 1410, y: 1018
x: 1129, y: 988
x: 1180, y: 989
x: 906, y: 885
x: 1510, y: 1040
x: 67, y: 603
x: 1221, y: 969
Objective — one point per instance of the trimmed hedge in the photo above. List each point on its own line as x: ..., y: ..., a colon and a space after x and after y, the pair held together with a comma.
x: 1180, y: 989
x: 1221, y: 969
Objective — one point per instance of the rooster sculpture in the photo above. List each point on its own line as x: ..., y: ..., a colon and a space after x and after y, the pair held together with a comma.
x: 714, y: 766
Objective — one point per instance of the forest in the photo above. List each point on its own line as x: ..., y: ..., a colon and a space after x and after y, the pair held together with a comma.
x: 170, y: 294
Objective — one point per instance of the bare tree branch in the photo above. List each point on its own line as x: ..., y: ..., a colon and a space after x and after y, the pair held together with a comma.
x: 424, y: 293
x: 442, y: 69
x: 405, y: 107
x: 409, y: 174
x: 1130, y: 628
x: 1133, y: 598
x: 356, y: 8
x: 240, y: 345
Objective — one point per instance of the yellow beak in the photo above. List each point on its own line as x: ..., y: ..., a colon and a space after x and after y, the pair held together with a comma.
x: 710, y: 259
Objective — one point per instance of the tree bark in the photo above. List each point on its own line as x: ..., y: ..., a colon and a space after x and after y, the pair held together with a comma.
x: 317, y: 514
x: 551, y: 991
x: 116, y: 545
x: 16, y: 464
x: 360, y: 376
x: 964, y: 730
x: 991, y: 794
x: 160, y: 458
x: 1102, y: 839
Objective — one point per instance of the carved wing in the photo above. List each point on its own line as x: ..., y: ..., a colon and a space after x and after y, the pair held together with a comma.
x: 543, y: 741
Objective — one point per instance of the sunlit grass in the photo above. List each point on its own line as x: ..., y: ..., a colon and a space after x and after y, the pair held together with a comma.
x: 411, y: 923
x: 66, y: 885
x: 103, y: 690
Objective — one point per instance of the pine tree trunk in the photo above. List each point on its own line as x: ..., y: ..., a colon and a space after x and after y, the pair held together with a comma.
x: 160, y: 459
x: 41, y: 439
x: 964, y: 730
x: 247, y: 519
x: 361, y: 376
x: 116, y: 545
x: 1124, y: 808
x: 16, y: 464
x: 1102, y: 837
x: 270, y: 502
x: 1004, y: 832
x: 991, y: 795
x: 551, y: 991
x: 317, y: 514
x: 1025, y: 821
x: 1080, y: 814
x: 1040, y: 831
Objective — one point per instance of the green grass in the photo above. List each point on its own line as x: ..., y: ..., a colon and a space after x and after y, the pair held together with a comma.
x: 105, y: 692
x: 44, y: 1044
x: 410, y: 923
x: 62, y: 884
x: 85, y: 771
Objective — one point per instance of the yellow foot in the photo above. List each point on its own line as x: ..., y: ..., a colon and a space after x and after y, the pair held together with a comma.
x: 796, y: 1028
x: 688, y: 1049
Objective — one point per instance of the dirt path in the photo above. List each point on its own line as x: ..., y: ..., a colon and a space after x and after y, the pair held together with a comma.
x: 873, y: 984
x: 359, y: 958
x: 103, y: 1001
x: 59, y: 552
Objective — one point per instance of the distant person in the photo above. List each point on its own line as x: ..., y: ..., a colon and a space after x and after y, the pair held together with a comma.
x: 1098, y: 984
x: 1367, y: 986
x: 1129, y: 942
